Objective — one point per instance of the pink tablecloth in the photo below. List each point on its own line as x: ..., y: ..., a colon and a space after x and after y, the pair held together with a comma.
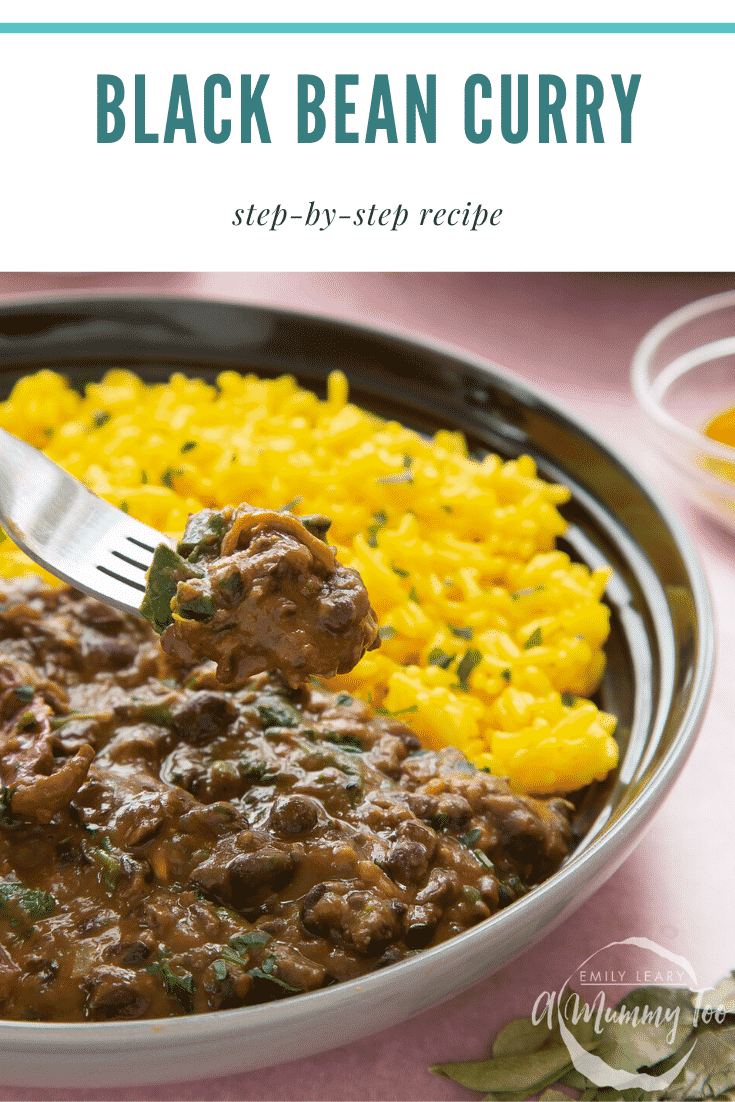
x: 574, y: 336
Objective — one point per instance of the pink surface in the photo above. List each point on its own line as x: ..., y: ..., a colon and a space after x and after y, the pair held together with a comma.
x: 574, y: 336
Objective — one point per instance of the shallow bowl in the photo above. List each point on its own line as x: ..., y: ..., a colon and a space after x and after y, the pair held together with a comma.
x: 660, y: 652
x: 683, y: 376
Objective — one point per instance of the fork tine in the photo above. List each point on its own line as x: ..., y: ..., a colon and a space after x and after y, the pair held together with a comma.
x: 74, y: 534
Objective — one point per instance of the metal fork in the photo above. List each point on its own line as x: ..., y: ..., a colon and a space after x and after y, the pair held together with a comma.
x: 74, y: 534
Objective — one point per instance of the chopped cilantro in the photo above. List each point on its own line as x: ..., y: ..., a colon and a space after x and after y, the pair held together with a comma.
x: 446, y: 508
x: 24, y: 693
x: 568, y: 700
x: 169, y: 474
x: 124, y: 507
x: 461, y: 633
x: 346, y: 742
x: 291, y: 504
x: 407, y: 461
x: 200, y: 608
x: 243, y: 942
x: 399, y: 570
x: 400, y: 712
x: 166, y: 571
x: 100, y: 418
x: 187, y: 446
x: 386, y: 631
x: 203, y: 530
x: 438, y: 657
x: 525, y: 592
x: 471, y: 838
x: 505, y: 674
x: 471, y: 659
x: 110, y: 867
x: 535, y: 639
x: 220, y: 969
x: 413, y: 595
x: 22, y: 905
x: 394, y: 479
x: 144, y: 478
x: 267, y: 972
x: 181, y: 987
x: 277, y: 713
x: 232, y: 583
x: 380, y: 520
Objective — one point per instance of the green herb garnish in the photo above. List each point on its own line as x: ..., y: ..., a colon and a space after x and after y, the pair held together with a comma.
x: 568, y: 700
x: 438, y: 657
x: 535, y: 639
x: 24, y: 693
x: 525, y: 592
x: 413, y: 595
x: 232, y: 584
x: 267, y: 972
x: 380, y: 520
x: 291, y: 505
x: 100, y: 418
x: 166, y: 571
x: 203, y: 531
x: 169, y: 474
x: 21, y: 905
x: 199, y: 608
x: 277, y: 713
x: 346, y: 742
x: 471, y: 659
x: 505, y: 674
x: 188, y: 446
x: 387, y: 631
x: 471, y: 838
x: 181, y: 987
x: 461, y: 633
x: 110, y: 867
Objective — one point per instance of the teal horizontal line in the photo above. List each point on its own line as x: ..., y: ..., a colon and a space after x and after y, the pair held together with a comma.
x: 367, y: 28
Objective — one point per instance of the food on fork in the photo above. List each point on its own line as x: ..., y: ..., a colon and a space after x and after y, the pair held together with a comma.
x: 257, y: 590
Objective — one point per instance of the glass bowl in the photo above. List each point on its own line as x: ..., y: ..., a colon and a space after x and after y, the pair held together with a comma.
x: 683, y: 376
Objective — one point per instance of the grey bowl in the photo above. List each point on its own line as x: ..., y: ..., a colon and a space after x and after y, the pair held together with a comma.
x: 660, y: 652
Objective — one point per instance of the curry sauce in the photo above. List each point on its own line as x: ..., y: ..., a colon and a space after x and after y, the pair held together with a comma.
x: 170, y: 846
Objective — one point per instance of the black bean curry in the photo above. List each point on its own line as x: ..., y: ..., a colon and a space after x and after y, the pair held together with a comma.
x: 258, y: 590
x: 170, y: 846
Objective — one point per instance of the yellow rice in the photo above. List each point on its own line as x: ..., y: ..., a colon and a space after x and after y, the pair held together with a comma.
x: 492, y: 638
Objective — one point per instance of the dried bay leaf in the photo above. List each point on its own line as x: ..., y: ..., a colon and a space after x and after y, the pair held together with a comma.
x: 528, y: 1073
x: 632, y: 1046
x: 710, y: 1070
x: 721, y: 995
x: 521, y: 1036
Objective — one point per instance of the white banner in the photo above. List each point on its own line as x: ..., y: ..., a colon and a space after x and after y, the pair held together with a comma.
x: 195, y: 147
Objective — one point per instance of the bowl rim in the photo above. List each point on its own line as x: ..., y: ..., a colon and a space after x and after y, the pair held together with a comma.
x: 581, y: 875
x: 642, y: 383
